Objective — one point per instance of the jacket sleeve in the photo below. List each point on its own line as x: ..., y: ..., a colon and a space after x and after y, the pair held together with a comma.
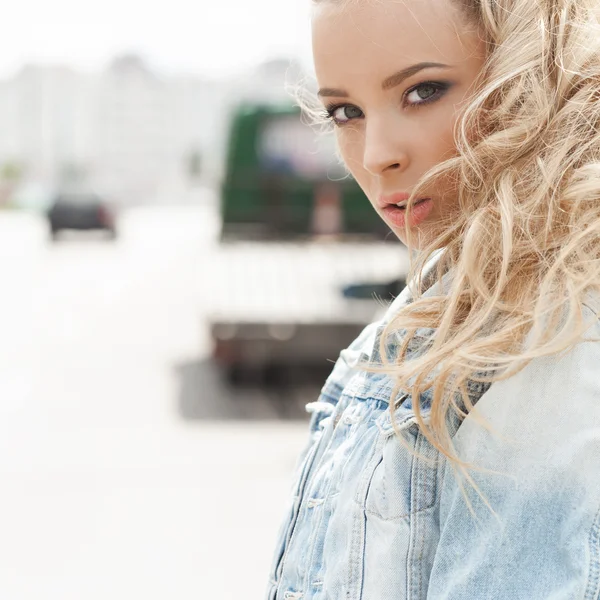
x: 543, y: 540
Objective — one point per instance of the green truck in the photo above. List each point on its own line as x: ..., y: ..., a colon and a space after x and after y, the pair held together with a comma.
x: 283, y: 180
x: 304, y: 260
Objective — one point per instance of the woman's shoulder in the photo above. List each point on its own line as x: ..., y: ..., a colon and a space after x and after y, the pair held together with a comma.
x: 547, y: 413
x: 537, y: 469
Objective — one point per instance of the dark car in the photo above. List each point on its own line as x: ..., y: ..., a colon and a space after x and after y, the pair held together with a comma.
x: 81, y: 211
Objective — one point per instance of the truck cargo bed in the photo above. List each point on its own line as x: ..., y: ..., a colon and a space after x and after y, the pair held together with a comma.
x: 299, y: 282
x: 281, y: 303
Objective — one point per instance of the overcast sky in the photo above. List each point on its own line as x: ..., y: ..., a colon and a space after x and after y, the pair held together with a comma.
x: 210, y: 37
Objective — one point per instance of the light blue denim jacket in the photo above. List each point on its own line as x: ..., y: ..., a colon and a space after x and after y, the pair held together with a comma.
x: 368, y: 521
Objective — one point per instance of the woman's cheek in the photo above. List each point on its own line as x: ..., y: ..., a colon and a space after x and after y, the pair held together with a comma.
x: 351, y: 151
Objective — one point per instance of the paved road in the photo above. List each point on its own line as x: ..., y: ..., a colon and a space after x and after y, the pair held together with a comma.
x: 128, y: 469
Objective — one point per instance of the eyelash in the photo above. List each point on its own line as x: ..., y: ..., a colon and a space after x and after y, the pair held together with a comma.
x: 440, y: 86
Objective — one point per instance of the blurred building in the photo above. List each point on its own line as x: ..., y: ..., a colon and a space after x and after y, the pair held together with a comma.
x: 136, y: 149
x: 45, y: 122
x: 135, y: 134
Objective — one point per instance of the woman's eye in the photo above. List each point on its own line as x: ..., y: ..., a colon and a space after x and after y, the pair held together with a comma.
x: 341, y: 114
x: 419, y: 95
x: 424, y: 93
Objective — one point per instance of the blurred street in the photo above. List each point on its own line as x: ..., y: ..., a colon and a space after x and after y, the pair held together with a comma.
x: 115, y: 483
x: 183, y: 258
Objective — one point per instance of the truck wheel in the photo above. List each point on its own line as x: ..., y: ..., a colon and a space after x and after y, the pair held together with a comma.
x: 273, y: 375
x: 234, y: 374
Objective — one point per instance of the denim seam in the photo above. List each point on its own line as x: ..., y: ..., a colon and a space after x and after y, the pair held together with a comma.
x: 356, y: 556
x: 339, y: 408
x: 286, y: 534
x: 417, y: 540
x: 296, y: 511
x: 420, y: 491
x: 363, y: 490
x: 413, y: 528
x: 317, y: 523
x: 358, y: 433
x: 380, y: 397
x: 332, y: 390
x: 593, y: 587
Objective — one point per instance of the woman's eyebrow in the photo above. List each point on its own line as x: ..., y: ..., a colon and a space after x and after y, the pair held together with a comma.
x: 391, y: 81
x: 332, y: 92
x: 397, y: 78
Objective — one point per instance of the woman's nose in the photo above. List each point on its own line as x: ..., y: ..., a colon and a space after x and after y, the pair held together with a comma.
x: 383, y: 151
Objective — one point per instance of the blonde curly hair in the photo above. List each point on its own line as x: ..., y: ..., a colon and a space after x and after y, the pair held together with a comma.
x: 524, y: 250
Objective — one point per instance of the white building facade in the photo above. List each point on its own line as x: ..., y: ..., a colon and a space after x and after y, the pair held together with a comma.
x: 134, y: 135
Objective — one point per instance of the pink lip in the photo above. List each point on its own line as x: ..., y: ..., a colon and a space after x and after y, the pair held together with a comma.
x: 397, y: 216
x: 392, y: 199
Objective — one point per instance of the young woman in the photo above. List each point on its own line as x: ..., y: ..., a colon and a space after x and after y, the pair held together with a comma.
x: 454, y: 451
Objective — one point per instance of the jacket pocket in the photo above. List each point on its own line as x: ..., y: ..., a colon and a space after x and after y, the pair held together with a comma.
x: 397, y: 484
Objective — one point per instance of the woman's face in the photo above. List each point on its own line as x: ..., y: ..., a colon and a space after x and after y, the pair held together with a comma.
x: 393, y: 75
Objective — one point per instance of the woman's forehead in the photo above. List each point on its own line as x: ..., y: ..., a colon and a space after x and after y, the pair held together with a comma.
x: 361, y: 34
x: 409, y: 12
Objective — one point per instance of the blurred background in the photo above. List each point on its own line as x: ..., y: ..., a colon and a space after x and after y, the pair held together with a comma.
x: 183, y: 258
